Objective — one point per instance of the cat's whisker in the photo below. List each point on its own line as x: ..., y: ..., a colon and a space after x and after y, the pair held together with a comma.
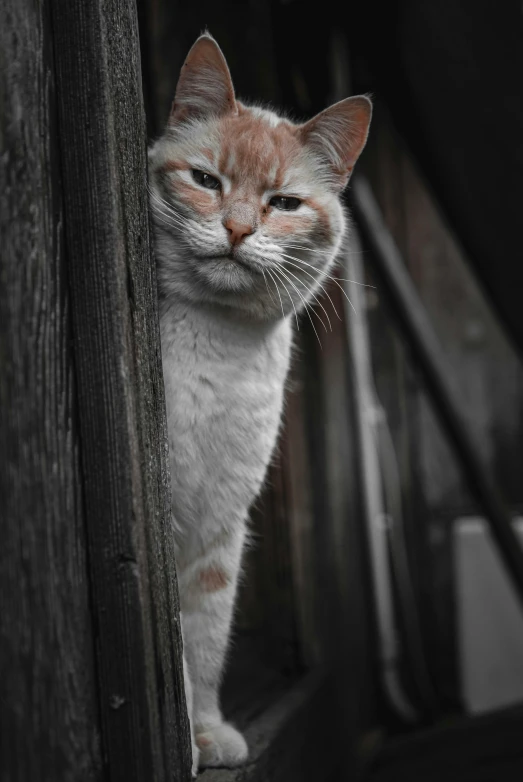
x: 311, y: 293
x: 318, y: 282
x: 309, y: 316
x: 166, y: 208
x: 277, y: 291
x: 172, y: 219
x: 165, y: 220
x: 267, y: 286
x: 171, y: 216
x: 307, y: 309
x: 311, y: 249
x: 335, y: 280
x: 355, y: 282
x: 159, y: 216
x: 317, y: 279
x: 330, y: 276
x: 291, y: 301
x: 157, y: 211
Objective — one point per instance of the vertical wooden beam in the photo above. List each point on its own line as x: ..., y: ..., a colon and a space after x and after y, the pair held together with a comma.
x: 49, y: 722
x: 120, y: 391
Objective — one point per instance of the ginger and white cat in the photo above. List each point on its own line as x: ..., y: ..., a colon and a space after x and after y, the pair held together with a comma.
x: 248, y: 223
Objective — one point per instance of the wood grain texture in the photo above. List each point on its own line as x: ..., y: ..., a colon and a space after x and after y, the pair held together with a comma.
x: 120, y: 391
x: 49, y: 723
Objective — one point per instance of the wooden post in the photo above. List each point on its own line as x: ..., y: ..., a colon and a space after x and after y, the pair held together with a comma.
x: 49, y: 722
x: 82, y: 412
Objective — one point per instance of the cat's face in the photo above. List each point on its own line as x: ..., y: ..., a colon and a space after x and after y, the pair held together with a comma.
x: 245, y: 203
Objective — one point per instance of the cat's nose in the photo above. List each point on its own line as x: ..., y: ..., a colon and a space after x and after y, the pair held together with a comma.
x: 237, y: 231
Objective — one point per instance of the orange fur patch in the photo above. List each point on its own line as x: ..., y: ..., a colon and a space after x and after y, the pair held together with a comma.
x: 202, y: 741
x: 324, y: 224
x: 209, y: 154
x: 213, y: 579
x: 284, y: 226
x: 253, y: 150
x: 200, y: 200
x: 174, y: 165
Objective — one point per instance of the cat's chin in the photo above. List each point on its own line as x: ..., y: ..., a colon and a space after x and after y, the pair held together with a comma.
x: 225, y: 273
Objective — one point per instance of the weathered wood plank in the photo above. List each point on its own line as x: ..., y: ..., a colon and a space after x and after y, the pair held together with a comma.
x: 49, y: 723
x: 122, y: 418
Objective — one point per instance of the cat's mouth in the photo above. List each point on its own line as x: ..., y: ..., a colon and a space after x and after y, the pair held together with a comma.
x: 232, y: 258
x: 225, y: 257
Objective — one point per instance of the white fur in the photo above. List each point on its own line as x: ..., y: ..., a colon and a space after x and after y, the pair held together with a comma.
x: 224, y: 389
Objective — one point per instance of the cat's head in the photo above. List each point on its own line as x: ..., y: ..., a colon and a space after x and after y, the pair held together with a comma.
x: 246, y: 203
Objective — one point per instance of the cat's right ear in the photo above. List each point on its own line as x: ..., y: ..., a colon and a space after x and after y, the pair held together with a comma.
x: 204, y: 87
x: 338, y: 135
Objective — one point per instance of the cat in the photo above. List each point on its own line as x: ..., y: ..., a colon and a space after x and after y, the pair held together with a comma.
x: 247, y: 224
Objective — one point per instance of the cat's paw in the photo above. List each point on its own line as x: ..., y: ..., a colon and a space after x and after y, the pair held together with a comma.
x: 221, y: 745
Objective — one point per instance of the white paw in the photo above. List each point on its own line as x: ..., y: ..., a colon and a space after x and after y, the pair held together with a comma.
x: 222, y: 745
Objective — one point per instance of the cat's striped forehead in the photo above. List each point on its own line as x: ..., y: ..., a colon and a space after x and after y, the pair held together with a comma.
x: 254, y: 148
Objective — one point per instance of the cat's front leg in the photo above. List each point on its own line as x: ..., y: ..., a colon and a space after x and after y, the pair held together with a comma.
x: 207, y: 593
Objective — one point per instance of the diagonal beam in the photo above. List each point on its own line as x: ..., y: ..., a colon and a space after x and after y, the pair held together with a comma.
x: 427, y: 351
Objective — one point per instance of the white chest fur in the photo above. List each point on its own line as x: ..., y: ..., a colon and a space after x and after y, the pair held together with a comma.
x: 224, y: 384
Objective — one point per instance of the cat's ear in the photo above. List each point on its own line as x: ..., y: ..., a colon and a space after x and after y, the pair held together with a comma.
x: 338, y: 134
x: 204, y: 87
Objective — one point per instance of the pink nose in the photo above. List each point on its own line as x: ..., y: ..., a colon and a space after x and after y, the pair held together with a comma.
x: 237, y: 231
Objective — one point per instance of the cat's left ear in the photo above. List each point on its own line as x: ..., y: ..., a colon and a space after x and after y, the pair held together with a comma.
x: 205, y: 86
x: 338, y: 135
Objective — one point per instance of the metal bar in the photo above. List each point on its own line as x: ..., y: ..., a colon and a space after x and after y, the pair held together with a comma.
x: 423, y: 342
x: 373, y: 483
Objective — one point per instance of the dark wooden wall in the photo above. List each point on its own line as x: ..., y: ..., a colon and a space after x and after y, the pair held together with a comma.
x: 90, y: 659
x: 485, y: 369
x: 486, y: 373
x: 450, y: 74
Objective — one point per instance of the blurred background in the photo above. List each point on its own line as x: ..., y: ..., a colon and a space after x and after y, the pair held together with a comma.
x: 372, y: 552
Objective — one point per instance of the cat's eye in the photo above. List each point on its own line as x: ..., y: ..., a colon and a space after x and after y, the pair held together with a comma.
x: 206, y: 180
x: 286, y: 203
